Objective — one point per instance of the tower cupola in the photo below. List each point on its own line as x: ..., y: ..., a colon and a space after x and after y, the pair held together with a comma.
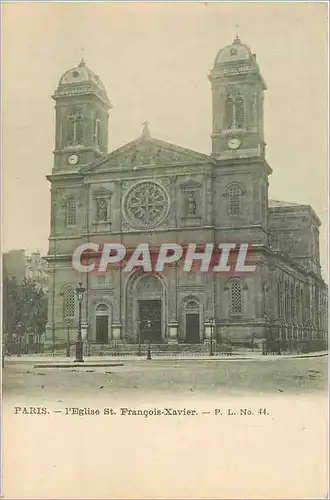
x: 237, y: 95
x: 82, y: 115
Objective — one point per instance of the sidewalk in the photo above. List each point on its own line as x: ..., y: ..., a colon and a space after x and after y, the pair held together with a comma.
x: 253, y: 356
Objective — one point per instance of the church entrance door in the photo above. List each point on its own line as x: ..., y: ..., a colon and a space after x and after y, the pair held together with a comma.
x: 102, y: 324
x: 150, y: 320
x: 192, y: 329
x: 102, y: 329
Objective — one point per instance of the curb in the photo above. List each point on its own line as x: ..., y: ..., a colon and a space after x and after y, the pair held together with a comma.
x: 76, y: 365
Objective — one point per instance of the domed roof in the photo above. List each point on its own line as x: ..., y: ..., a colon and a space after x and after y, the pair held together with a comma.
x: 81, y: 74
x: 235, y: 52
x: 81, y: 80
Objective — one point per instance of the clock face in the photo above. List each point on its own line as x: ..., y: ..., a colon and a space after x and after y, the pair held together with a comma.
x: 234, y: 143
x: 73, y: 159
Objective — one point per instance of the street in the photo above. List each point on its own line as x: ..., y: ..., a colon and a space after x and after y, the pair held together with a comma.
x: 266, y: 375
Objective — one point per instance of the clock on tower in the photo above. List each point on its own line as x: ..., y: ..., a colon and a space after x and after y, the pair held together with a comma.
x: 82, y: 113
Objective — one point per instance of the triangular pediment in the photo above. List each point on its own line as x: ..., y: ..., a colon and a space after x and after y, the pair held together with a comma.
x: 147, y: 151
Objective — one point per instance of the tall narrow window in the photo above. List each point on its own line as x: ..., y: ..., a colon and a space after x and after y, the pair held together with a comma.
x: 235, y: 114
x: 75, y: 130
x: 79, y: 130
x: 229, y: 112
x: 97, y: 132
x: 70, y: 130
x: 239, y: 111
x: 234, y: 200
x: 71, y: 212
x: 68, y: 302
x: 236, y: 297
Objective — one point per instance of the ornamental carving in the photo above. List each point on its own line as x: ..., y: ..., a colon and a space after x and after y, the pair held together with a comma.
x: 150, y: 153
x: 148, y: 156
x: 146, y: 205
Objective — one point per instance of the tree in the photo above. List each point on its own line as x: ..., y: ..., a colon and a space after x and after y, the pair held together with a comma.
x: 24, y: 307
x: 11, y: 293
x: 33, y: 307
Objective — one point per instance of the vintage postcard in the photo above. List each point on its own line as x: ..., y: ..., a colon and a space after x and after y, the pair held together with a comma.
x: 164, y: 250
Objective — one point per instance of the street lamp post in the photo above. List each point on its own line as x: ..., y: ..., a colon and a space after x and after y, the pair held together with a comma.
x: 139, y: 336
x: 68, y: 322
x: 212, y: 322
x: 79, y: 347
x: 149, y: 340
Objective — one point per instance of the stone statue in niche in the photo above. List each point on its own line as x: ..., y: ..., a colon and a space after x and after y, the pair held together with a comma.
x: 191, y: 204
x: 157, y: 155
x: 133, y: 158
x: 102, y: 210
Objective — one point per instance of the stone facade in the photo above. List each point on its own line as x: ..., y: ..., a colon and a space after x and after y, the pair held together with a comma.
x: 155, y: 192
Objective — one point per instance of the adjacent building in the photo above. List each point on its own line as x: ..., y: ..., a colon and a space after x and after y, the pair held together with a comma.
x: 17, y: 264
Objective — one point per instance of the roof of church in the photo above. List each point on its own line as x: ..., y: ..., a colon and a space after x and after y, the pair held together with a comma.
x: 147, y: 150
x: 235, y: 52
x: 277, y: 203
x: 286, y: 204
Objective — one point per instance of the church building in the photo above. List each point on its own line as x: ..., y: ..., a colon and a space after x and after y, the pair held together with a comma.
x: 151, y: 191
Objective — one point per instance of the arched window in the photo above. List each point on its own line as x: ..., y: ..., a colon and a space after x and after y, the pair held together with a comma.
x: 101, y: 308
x: 236, y: 297
x: 192, y: 306
x: 148, y: 285
x: 234, y: 200
x: 71, y: 212
x: 235, y: 114
x: 68, y: 302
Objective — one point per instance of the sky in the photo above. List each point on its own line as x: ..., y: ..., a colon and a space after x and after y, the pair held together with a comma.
x: 154, y: 59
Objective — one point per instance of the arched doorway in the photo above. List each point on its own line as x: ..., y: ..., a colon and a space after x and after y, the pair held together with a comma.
x: 145, y: 311
x: 102, y: 323
x: 148, y: 307
x: 192, y: 322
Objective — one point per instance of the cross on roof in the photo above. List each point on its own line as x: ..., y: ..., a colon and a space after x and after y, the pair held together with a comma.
x: 145, y: 130
x: 82, y: 62
x: 237, y: 36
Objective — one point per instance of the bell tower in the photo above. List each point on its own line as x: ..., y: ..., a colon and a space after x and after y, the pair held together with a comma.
x: 82, y: 115
x: 237, y: 101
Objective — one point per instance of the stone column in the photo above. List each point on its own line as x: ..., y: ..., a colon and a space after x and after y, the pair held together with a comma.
x: 116, y: 331
x: 207, y: 332
x: 84, y: 330
x: 173, y: 331
x: 171, y: 293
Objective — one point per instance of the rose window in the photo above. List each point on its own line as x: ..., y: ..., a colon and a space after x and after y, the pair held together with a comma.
x: 146, y: 204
